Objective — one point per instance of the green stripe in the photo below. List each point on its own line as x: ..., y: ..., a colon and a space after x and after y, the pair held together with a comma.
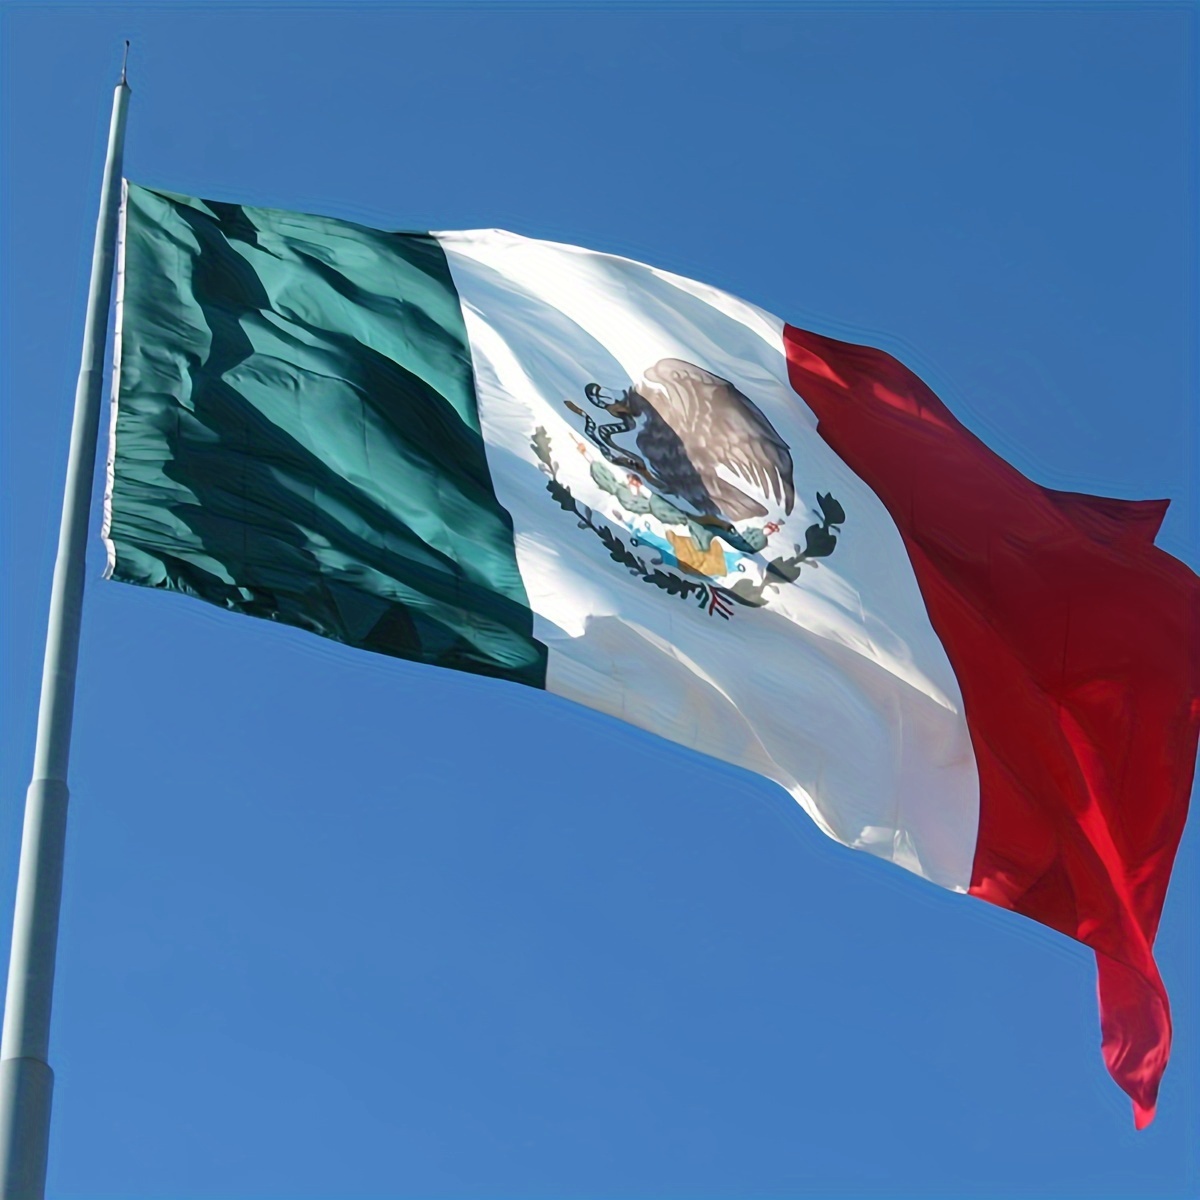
x: 298, y: 436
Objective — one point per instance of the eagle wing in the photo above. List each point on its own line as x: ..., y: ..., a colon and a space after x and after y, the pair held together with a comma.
x: 719, y: 425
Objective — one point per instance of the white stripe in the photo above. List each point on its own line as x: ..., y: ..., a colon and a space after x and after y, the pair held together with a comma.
x: 838, y: 687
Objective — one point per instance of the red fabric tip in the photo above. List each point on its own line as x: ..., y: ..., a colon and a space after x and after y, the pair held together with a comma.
x: 1073, y: 639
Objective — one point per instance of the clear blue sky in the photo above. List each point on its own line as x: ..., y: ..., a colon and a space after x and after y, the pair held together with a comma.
x: 341, y: 926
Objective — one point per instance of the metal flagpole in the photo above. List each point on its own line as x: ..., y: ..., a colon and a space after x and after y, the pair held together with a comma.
x: 26, y: 1081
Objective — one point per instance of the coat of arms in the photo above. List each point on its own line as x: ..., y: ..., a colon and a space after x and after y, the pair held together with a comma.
x: 697, y: 504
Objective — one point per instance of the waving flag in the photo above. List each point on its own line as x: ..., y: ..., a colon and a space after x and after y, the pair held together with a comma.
x: 577, y: 472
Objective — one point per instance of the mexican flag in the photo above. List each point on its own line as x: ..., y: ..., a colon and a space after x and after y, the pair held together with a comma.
x: 576, y: 472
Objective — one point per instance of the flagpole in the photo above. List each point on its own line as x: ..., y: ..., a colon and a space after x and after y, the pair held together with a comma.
x: 26, y: 1081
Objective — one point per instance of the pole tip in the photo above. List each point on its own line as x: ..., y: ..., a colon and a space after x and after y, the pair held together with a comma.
x: 125, y: 61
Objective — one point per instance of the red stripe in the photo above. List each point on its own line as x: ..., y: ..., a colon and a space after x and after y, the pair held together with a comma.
x: 1073, y: 640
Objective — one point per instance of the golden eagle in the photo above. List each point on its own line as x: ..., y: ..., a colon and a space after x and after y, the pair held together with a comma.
x: 689, y: 422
